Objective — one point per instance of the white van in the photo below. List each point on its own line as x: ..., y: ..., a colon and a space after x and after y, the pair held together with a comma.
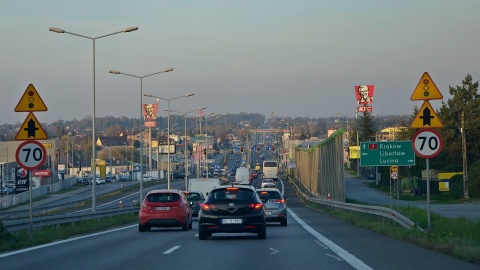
x: 242, y: 176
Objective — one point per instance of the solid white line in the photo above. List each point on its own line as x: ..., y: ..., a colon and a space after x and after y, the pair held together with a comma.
x: 171, y: 250
x: 349, y: 258
x: 61, y: 242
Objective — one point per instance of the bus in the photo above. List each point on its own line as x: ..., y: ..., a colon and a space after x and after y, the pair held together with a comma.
x: 270, y: 169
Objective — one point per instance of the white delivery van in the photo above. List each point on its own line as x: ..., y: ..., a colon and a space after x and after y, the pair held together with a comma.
x: 204, y: 185
x: 270, y: 169
x: 242, y: 176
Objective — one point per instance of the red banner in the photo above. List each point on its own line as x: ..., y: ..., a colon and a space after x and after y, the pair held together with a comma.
x: 365, y: 109
x: 44, y: 173
x: 150, y: 124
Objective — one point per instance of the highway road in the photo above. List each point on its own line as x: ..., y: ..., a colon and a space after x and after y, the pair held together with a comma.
x: 312, y: 240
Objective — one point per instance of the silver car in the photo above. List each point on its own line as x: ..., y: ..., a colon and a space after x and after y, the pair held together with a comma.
x: 275, y: 205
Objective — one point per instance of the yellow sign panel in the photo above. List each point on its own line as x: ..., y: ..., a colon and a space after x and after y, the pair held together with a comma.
x: 426, y: 117
x: 394, y: 168
x: 47, y: 145
x: 426, y: 89
x: 31, y: 130
x: 30, y: 101
x: 354, y: 152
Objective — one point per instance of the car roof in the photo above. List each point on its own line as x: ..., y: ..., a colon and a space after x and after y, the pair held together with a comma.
x: 268, y: 189
x: 165, y: 191
x: 235, y: 186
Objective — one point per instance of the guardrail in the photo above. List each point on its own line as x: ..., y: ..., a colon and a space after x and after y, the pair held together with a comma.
x: 38, y: 211
x: 378, y: 211
x: 56, y: 220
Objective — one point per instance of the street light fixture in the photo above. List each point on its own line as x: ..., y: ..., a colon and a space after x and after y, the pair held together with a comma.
x: 185, y: 143
x: 141, y: 119
x: 168, y: 130
x: 94, y: 169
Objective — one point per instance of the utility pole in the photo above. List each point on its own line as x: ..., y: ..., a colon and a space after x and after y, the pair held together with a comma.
x: 464, y: 157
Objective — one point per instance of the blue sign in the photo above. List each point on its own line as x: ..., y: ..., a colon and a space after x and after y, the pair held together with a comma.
x: 237, y: 149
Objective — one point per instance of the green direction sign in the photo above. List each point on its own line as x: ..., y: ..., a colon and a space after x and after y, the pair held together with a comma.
x: 388, y: 153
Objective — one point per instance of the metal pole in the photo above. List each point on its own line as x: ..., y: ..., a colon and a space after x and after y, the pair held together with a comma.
x: 149, y: 148
x: 185, y: 155
x: 168, y: 146
x: 428, y: 193
x: 206, y: 146
x: 141, y: 142
x: 94, y: 158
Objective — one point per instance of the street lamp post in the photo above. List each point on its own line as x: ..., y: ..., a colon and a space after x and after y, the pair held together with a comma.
x: 185, y: 143
x: 94, y: 173
x: 168, y: 130
x: 141, y: 120
x: 206, y: 142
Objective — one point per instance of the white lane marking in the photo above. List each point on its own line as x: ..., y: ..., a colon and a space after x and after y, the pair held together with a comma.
x: 349, y: 258
x: 320, y: 244
x: 171, y: 250
x: 63, y: 241
x: 274, y: 251
x: 335, y: 257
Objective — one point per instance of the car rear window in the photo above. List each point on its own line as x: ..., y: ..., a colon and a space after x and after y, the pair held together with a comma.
x: 163, y: 197
x: 193, y: 196
x: 232, y: 194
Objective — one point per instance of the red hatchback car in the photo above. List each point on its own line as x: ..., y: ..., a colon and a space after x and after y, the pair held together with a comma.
x: 165, y: 208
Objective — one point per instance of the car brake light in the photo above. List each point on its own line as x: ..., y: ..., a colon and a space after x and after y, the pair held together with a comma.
x: 255, y: 205
x: 232, y: 188
x: 208, y: 207
x: 264, y: 192
x: 279, y: 201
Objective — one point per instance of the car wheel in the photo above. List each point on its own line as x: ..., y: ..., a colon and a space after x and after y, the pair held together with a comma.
x: 262, y: 232
x: 185, y: 226
x: 202, y: 234
x: 141, y: 228
x: 284, y: 222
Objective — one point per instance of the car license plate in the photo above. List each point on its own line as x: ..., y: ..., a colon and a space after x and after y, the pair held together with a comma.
x: 162, y: 208
x: 269, y: 213
x: 232, y: 221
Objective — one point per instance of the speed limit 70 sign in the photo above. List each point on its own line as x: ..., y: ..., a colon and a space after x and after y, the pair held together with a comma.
x: 30, y: 155
x: 427, y: 143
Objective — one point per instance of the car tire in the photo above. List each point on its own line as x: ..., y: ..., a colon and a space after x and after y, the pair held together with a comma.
x: 284, y: 222
x: 202, y: 234
x: 262, y: 232
x: 141, y: 228
x: 185, y: 226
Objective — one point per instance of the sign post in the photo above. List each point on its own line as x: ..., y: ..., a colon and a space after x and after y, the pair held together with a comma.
x: 426, y: 142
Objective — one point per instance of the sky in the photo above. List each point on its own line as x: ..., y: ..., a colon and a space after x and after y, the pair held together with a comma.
x: 290, y: 58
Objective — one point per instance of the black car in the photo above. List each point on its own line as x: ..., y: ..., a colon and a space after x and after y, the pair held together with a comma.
x: 195, y: 198
x: 232, y: 209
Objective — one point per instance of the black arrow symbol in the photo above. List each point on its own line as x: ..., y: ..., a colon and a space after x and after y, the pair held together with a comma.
x: 30, y: 129
x: 426, y: 117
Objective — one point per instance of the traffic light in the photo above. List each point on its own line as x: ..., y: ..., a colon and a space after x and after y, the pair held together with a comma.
x: 241, y: 149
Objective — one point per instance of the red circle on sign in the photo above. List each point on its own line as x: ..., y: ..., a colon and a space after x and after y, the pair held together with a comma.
x: 27, y: 155
x: 427, y: 143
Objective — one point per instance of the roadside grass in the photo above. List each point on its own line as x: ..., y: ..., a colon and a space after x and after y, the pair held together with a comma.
x: 434, y: 198
x: 10, y: 241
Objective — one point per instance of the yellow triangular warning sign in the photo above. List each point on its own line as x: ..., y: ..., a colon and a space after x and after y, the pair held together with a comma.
x: 30, y: 101
x: 31, y: 130
x: 426, y: 89
x: 426, y: 117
